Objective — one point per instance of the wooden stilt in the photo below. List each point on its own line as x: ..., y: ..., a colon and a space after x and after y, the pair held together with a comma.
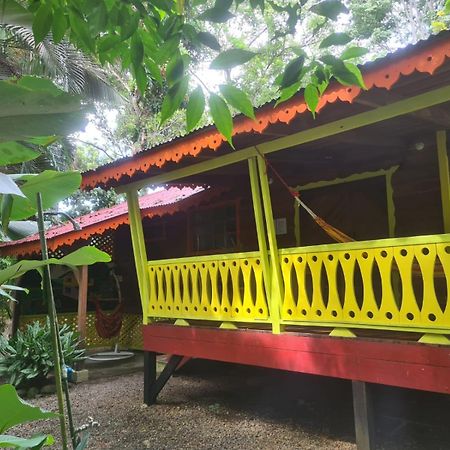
x: 149, y: 375
x: 362, y: 410
x: 152, y: 384
x: 82, y: 300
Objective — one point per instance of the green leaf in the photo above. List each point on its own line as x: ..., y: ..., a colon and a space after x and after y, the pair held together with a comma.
x: 257, y: 4
x: 7, y: 186
x: 287, y: 92
x: 84, y: 256
x: 7, y: 201
x: 353, y: 52
x: 329, y: 8
x: 353, y: 69
x: 15, y: 411
x: 335, y: 39
x: 447, y: 7
x: 108, y: 42
x: 80, y: 29
x: 195, y: 108
x: 13, y: 152
x: 238, y: 99
x: 54, y: 186
x: 137, y: 50
x: 216, y: 15
x: 141, y: 78
x: 292, y: 72
x: 13, y: 13
x: 231, y: 58
x: 173, y: 99
x: 209, y: 40
x: 60, y: 24
x: 35, y: 442
x: 175, y: 69
x: 129, y: 26
x: 221, y: 116
x: 34, y: 107
x: 42, y: 22
x: 311, y: 98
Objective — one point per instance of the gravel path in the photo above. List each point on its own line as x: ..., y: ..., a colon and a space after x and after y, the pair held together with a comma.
x: 220, y: 406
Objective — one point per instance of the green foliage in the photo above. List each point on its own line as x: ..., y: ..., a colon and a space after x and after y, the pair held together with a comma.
x: 195, y: 108
x: 84, y: 256
x: 231, y: 58
x: 221, y: 115
x: 15, y: 411
x: 27, y: 358
x: 34, y: 107
x: 157, y: 43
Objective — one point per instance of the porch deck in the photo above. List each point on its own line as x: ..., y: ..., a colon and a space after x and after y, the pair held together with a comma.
x: 390, y: 284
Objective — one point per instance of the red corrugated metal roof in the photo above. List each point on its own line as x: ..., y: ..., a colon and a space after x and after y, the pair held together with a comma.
x: 423, y: 57
x: 166, y: 201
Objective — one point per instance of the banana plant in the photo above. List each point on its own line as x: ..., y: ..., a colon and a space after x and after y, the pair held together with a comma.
x: 15, y: 411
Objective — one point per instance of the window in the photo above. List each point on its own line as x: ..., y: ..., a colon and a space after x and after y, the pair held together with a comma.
x: 214, y: 228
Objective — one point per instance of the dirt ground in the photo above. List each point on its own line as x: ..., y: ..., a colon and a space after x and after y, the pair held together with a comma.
x: 221, y: 406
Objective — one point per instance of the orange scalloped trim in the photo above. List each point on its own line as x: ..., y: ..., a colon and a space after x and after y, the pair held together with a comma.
x: 423, y: 60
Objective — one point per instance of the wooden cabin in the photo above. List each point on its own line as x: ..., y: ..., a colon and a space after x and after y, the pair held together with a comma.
x: 250, y: 277
x: 254, y: 279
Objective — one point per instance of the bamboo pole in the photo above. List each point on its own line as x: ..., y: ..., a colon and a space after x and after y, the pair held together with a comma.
x: 50, y: 300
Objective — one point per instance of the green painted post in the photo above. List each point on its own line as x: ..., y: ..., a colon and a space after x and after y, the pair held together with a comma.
x: 444, y: 177
x: 139, y: 250
x: 277, y: 280
x: 260, y: 230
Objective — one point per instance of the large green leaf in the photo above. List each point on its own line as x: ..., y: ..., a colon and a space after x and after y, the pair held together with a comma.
x: 329, y: 8
x: 335, y: 39
x: 35, y: 442
x: 292, y: 72
x: 173, y: 98
x: 221, y: 116
x: 42, y: 22
x: 54, y: 186
x: 195, y: 108
x: 84, y: 256
x: 231, y: 58
x: 238, y: 99
x: 7, y: 186
x: 209, y: 40
x: 354, y: 52
x: 13, y: 13
x: 14, y: 411
x: 33, y: 107
x: 13, y: 152
x: 18, y: 229
x: 216, y: 15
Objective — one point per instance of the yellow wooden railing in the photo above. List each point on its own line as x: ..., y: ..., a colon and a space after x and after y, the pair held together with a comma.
x: 221, y: 287
x: 395, y: 284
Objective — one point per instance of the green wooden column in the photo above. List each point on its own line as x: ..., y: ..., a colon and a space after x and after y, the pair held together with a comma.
x: 260, y: 228
x: 139, y: 251
x: 444, y: 177
x: 276, y: 278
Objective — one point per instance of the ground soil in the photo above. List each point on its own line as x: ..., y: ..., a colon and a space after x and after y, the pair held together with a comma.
x: 221, y: 406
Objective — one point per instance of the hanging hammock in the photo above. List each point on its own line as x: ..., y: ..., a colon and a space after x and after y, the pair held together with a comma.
x: 108, y: 325
x: 334, y: 233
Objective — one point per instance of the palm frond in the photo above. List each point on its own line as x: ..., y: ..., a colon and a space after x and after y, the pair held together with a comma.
x: 62, y: 62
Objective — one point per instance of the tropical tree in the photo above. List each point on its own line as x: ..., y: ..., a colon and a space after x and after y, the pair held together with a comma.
x: 154, y: 42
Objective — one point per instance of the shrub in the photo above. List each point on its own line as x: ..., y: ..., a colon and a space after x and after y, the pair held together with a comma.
x: 26, y: 359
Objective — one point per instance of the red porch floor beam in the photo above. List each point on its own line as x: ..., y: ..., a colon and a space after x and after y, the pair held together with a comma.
x: 395, y: 363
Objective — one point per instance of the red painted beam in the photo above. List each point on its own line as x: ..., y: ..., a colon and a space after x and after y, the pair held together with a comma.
x: 395, y: 363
